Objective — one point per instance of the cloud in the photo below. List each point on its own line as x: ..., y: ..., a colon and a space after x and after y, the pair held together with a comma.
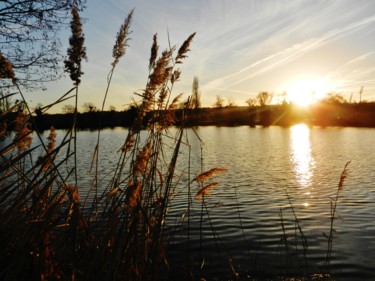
x: 290, y: 54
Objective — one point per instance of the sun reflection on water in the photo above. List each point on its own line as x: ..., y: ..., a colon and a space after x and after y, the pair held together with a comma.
x: 301, y: 154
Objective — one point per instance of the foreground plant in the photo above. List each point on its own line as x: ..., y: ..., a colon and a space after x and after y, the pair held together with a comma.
x: 50, y: 230
x: 333, y: 216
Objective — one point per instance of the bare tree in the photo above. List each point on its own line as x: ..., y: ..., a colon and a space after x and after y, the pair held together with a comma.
x: 88, y: 107
x: 196, y: 98
x: 219, y: 102
x: 264, y: 98
x: 251, y: 102
x: 68, y: 108
x: 334, y: 98
x: 28, y: 37
x: 360, y: 94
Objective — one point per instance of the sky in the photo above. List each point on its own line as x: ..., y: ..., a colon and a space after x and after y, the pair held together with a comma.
x: 241, y: 47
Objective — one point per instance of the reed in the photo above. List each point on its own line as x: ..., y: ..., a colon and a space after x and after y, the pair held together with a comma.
x: 333, y: 214
x: 51, y: 229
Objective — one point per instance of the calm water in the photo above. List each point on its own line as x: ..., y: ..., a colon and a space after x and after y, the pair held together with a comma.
x: 242, y: 216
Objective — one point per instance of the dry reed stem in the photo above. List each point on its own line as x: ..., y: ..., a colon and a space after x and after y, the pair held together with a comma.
x: 22, y: 132
x: 73, y: 192
x: 334, y: 200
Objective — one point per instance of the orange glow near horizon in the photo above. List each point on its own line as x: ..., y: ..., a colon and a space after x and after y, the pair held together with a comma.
x: 305, y: 91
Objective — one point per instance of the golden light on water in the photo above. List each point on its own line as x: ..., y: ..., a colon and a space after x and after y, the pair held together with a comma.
x: 301, y: 154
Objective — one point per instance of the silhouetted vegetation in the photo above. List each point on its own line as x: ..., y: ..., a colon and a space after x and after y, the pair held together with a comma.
x: 320, y: 114
x: 29, y: 38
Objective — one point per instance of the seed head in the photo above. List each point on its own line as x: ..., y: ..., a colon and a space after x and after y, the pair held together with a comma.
x: 181, y: 54
x: 161, y: 73
x: 209, y: 174
x: 204, y: 190
x: 122, y: 39
x: 76, y: 51
x: 154, y: 52
x: 6, y: 69
x: 22, y: 132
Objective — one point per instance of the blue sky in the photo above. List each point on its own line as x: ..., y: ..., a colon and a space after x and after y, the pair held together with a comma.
x: 241, y: 47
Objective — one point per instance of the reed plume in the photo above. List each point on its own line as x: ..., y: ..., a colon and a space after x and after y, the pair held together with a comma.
x: 181, y: 54
x: 161, y: 72
x: 76, y: 51
x: 122, y: 39
x: 154, y: 52
x: 142, y: 159
x: 134, y: 191
x: 50, y: 147
x: 22, y: 132
x: 204, y: 190
x: 209, y: 174
x: 175, y: 76
x: 129, y: 142
x: 6, y: 69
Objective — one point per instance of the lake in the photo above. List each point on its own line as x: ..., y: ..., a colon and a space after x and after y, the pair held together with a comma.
x: 272, y: 172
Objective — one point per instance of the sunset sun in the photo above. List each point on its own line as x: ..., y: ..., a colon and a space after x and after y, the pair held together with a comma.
x: 306, y: 91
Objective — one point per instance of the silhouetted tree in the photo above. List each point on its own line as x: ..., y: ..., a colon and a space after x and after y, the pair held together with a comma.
x: 196, y: 98
x: 219, y: 102
x: 264, y: 98
x: 251, y: 102
x: 360, y: 94
x: 38, y: 109
x: 88, y: 107
x: 334, y: 98
x: 28, y: 37
x: 68, y: 108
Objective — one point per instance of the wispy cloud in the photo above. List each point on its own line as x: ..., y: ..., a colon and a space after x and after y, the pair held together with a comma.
x: 290, y: 54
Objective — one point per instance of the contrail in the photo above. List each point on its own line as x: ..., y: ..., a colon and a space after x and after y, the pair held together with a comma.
x: 296, y: 51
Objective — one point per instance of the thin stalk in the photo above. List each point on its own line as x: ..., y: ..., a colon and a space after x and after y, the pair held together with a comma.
x: 334, y: 201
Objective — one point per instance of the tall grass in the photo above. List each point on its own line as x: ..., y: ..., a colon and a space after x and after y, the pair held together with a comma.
x: 50, y: 229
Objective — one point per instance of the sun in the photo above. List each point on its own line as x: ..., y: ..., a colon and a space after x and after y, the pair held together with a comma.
x: 307, y: 90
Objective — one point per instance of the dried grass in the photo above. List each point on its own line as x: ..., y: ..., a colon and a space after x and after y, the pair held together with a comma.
x: 52, y: 231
